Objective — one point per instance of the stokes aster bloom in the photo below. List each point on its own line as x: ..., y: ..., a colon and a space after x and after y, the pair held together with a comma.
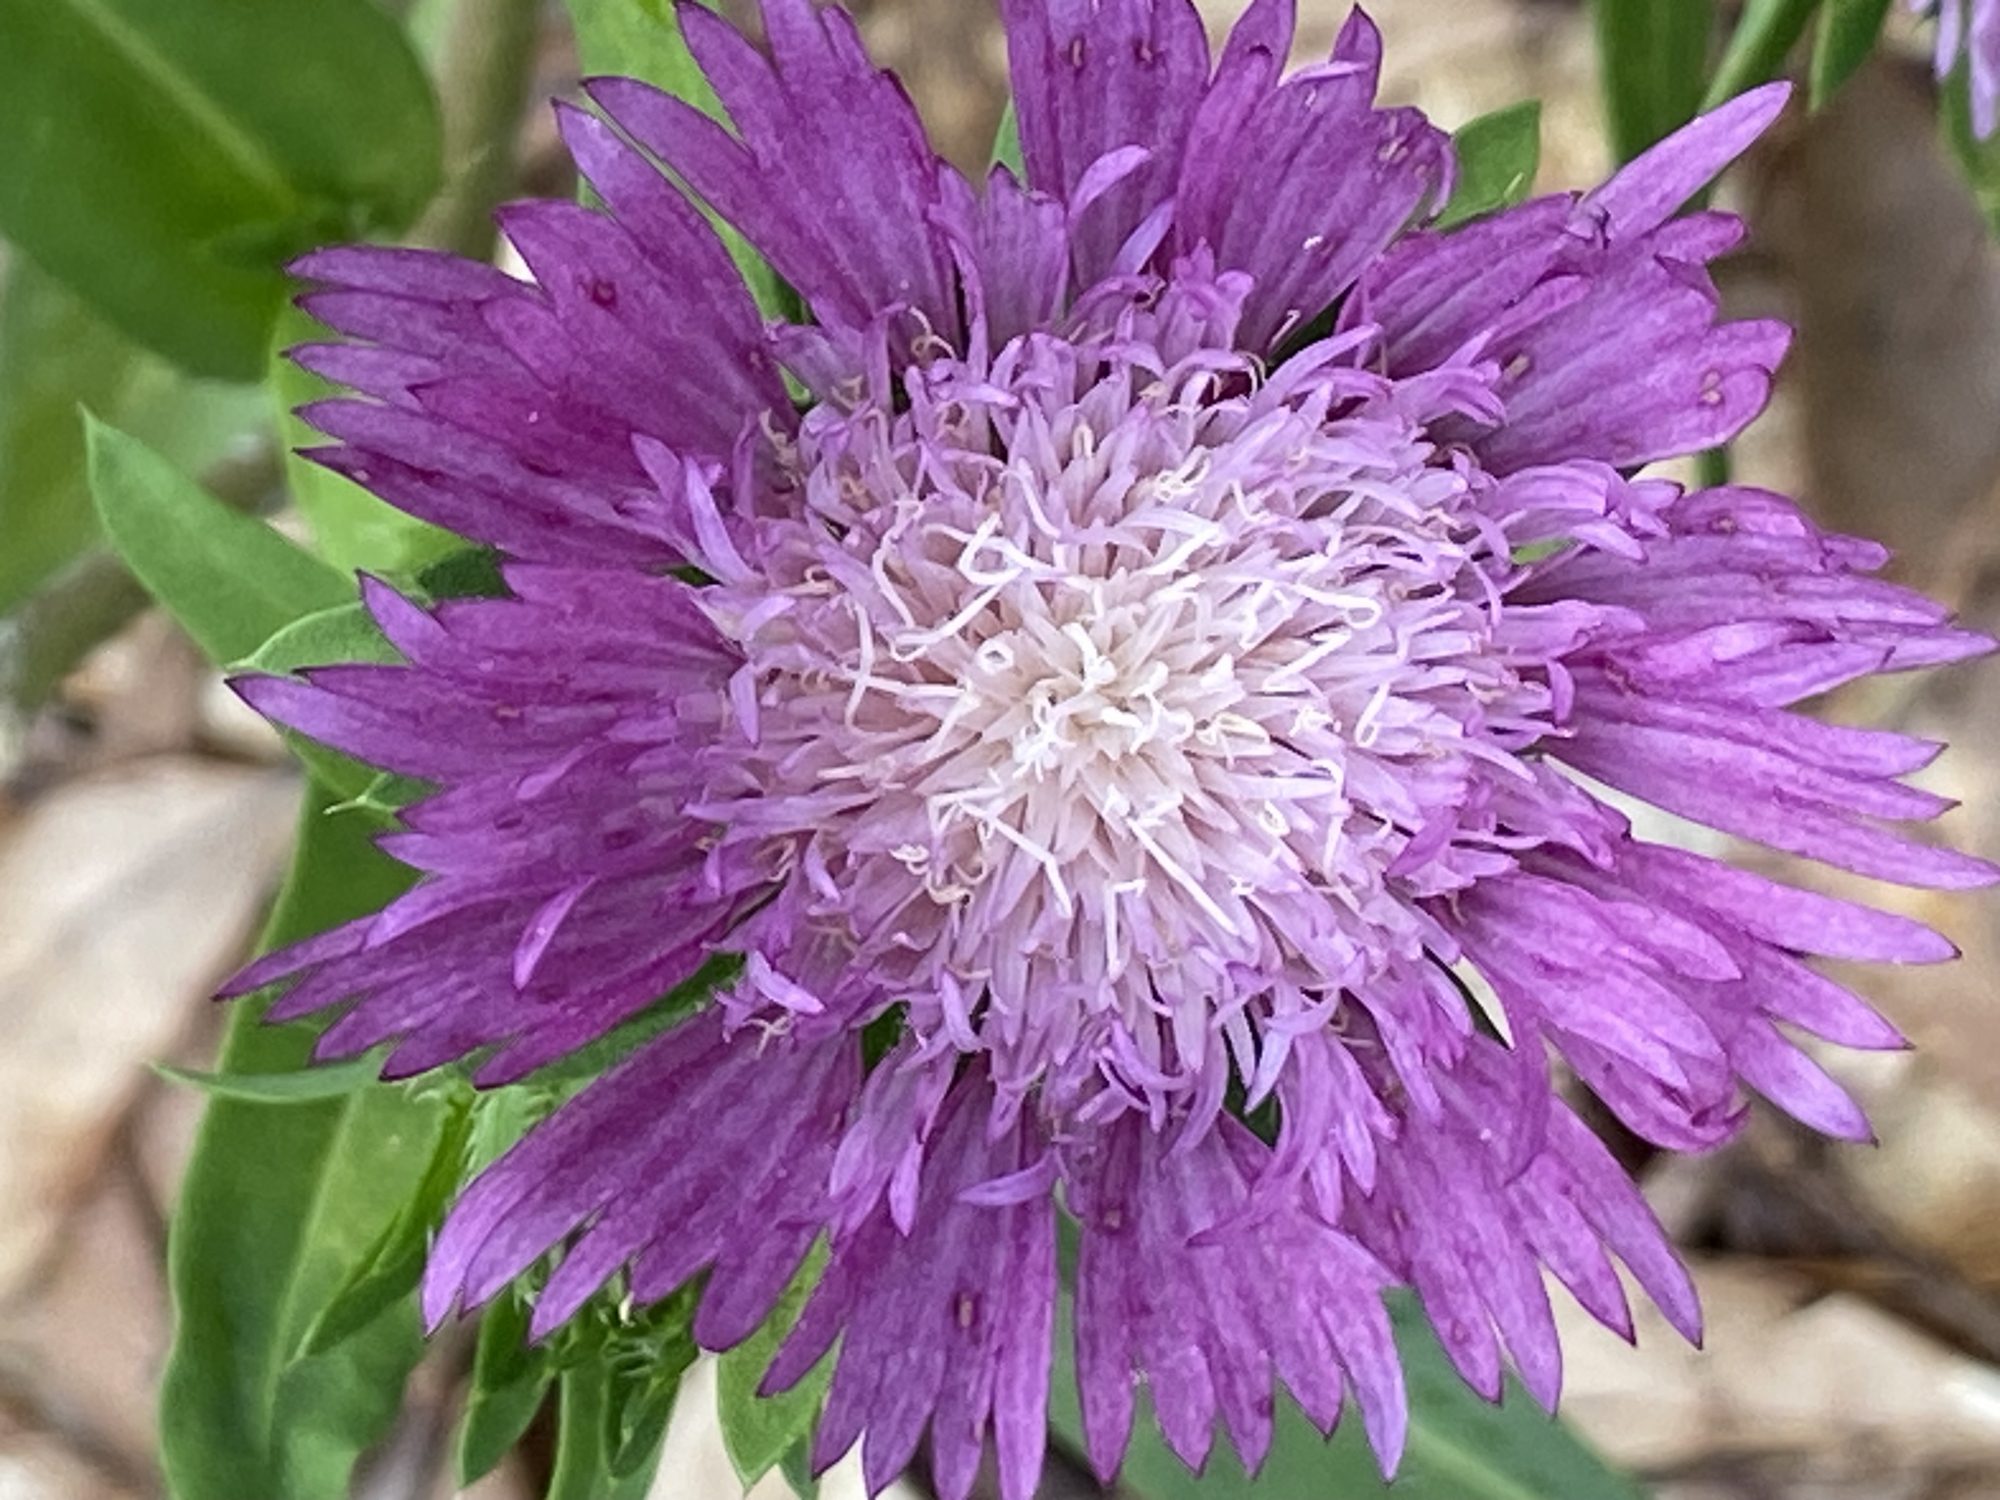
x: 1131, y: 654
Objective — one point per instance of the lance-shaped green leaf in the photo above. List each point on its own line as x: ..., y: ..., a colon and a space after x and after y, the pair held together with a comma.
x: 644, y: 1395
x: 308, y: 1086
x: 166, y: 159
x: 796, y: 1466
x: 510, y: 1381
x: 230, y: 579
x: 622, y: 1370
x: 278, y: 1205
x: 760, y: 1431
x: 1459, y: 1447
x: 1847, y: 33
x: 642, y: 39
x: 388, y: 1271
x: 584, y: 1442
x: 331, y: 1407
x: 271, y: 1203
x: 1497, y: 157
x: 1653, y: 56
x: 56, y: 355
x: 344, y: 633
x: 1765, y: 34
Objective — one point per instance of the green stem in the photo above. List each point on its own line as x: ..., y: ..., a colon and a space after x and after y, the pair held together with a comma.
x: 86, y: 603
x: 583, y: 1459
x: 1764, y: 37
x: 1651, y: 56
x: 483, y: 77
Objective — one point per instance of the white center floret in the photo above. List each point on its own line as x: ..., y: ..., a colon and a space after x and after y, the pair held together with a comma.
x: 1111, y: 688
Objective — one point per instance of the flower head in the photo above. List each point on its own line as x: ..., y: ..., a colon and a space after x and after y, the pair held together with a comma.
x: 1156, y: 675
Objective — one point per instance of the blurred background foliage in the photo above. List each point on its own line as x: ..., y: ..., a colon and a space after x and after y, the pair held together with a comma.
x: 160, y: 163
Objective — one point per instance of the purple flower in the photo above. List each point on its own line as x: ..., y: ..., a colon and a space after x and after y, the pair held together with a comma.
x: 1126, y: 676
x: 1971, y: 27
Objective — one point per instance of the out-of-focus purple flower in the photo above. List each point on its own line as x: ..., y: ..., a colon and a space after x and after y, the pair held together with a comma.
x: 1146, y: 652
x: 1971, y: 27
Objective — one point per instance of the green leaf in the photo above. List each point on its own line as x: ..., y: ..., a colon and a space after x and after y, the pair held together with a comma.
x: 510, y: 1377
x: 1980, y: 160
x: 276, y: 1205
x: 643, y: 1353
x: 510, y: 1380
x: 332, y: 1406
x: 388, y: 1272
x: 1653, y: 55
x: 344, y: 633
x: 1007, y: 143
x: 1459, y: 1448
x: 642, y: 39
x: 500, y: 1117
x: 470, y: 572
x: 347, y: 632
x: 796, y: 1466
x: 351, y: 528
x: 584, y: 1442
x: 230, y: 579
x: 761, y: 1430
x: 307, y: 1086
x: 1765, y: 34
x: 639, y: 1421
x: 428, y: 23
x: 165, y: 159
x: 57, y: 355
x: 1497, y: 157
x: 1848, y: 30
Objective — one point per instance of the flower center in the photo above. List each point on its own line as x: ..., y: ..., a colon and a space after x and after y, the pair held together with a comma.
x: 1108, y: 686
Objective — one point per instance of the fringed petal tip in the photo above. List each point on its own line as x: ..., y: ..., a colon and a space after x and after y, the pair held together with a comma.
x: 1654, y: 185
x: 442, y: 1297
x: 285, y: 700
x: 763, y: 1116
x: 251, y: 686
x: 250, y: 980
x: 1950, y: 870
x: 322, y: 266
